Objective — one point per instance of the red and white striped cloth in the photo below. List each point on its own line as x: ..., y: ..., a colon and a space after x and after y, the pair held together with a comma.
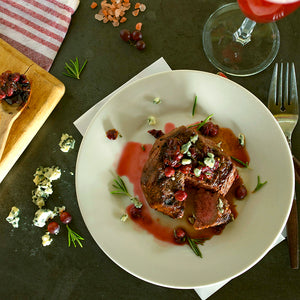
x: 36, y: 27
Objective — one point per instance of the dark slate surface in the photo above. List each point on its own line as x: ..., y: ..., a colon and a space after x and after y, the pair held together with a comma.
x: 172, y: 29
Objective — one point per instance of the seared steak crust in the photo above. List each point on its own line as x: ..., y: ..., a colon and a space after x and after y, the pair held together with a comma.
x: 198, y: 162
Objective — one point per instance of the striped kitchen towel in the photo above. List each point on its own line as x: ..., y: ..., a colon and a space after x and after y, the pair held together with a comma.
x: 36, y: 27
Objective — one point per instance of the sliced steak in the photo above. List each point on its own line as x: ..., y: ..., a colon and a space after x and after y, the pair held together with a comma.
x: 198, y: 162
x: 209, y: 209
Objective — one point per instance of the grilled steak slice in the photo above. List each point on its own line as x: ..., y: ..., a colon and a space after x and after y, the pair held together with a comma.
x: 196, y: 160
x: 209, y: 209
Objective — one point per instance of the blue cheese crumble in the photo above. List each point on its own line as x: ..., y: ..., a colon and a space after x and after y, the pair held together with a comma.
x: 42, y: 215
x: 46, y: 239
x: 43, y: 178
x: 209, y: 160
x: 13, y: 218
x: 151, y: 120
x: 66, y: 143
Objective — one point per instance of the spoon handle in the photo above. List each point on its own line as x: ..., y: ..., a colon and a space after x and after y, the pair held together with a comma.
x: 6, y: 122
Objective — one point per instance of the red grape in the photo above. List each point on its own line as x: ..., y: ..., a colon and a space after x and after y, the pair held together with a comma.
x: 136, y: 35
x: 125, y: 35
x: 65, y: 217
x: 53, y: 227
x: 140, y: 45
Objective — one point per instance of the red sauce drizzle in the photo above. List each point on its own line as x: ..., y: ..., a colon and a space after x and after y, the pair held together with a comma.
x: 133, y: 158
x: 131, y: 164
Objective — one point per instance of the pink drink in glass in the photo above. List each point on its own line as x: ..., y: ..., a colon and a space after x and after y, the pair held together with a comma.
x: 265, y: 11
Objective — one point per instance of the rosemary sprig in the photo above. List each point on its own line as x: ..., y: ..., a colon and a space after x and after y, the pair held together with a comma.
x: 193, y: 243
x: 74, y: 237
x: 121, y: 189
x: 201, y: 123
x: 245, y: 164
x: 259, y: 184
x: 194, y: 106
x: 73, y: 69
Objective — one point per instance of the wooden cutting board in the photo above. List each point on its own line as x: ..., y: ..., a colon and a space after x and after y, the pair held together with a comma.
x: 46, y: 92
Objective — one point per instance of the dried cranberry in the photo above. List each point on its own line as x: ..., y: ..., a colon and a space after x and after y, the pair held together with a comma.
x: 169, y: 171
x: 180, y: 195
x: 205, y: 169
x: 193, y: 152
x: 178, y: 156
x: 2, y: 95
x: 12, y: 87
x: 112, y: 134
x: 179, y: 235
x: 156, y: 133
x: 241, y: 192
x: 209, y: 129
x: 216, y: 165
x: 185, y: 169
x: 9, y: 91
x: 135, y: 213
x: 170, y: 162
x: 15, y: 77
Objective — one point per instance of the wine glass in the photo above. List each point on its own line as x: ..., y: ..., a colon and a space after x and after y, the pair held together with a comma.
x: 242, y: 38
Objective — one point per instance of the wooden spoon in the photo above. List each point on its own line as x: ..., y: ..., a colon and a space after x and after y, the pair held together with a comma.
x: 8, y: 114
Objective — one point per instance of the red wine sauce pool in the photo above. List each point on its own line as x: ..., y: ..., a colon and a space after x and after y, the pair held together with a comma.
x: 131, y: 163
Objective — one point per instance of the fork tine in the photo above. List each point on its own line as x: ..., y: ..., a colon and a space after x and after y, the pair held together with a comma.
x: 286, y: 86
x: 293, y: 88
x: 273, y: 87
x: 280, y: 98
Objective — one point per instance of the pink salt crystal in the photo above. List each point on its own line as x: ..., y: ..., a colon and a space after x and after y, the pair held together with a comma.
x: 99, y: 17
x: 142, y: 7
x: 117, y: 12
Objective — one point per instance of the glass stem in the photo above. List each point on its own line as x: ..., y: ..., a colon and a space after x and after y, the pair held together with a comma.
x: 243, y: 34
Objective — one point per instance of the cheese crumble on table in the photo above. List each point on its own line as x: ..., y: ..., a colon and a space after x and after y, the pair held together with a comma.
x: 43, y: 178
x: 13, y: 218
x: 66, y: 143
x: 46, y: 239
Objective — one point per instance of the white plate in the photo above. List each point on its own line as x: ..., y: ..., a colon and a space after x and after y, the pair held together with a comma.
x: 262, y: 215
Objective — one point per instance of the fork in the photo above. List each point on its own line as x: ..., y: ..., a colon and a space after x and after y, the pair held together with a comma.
x: 283, y: 104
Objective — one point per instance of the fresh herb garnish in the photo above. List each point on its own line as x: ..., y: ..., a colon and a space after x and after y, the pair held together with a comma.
x: 143, y: 148
x: 204, y: 122
x: 259, y: 184
x: 245, y: 164
x: 194, y: 106
x: 121, y: 189
x: 193, y: 243
x: 74, y: 237
x: 201, y: 123
x: 156, y: 100
x: 73, y: 69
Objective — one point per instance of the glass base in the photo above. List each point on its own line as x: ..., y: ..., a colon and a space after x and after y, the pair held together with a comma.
x: 232, y: 57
